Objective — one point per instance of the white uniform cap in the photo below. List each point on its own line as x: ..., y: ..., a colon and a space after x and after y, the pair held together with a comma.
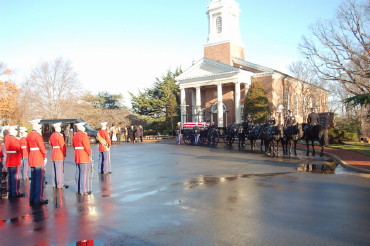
x: 57, y: 124
x: 35, y: 122
x: 80, y: 124
x: 103, y: 123
x: 22, y: 129
x: 178, y: 123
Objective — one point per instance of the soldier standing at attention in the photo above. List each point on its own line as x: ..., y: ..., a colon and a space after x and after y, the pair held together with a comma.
x: 81, y: 144
x: 58, y: 155
x: 13, y: 163
x: 289, y: 119
x: 37, y: 161
x: 24, y: 166
x: 104, y: 145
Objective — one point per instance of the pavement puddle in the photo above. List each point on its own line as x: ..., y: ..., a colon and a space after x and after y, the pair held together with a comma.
x: 135, y: 197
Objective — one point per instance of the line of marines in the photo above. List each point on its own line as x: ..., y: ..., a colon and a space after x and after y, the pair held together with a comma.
x: 29, y: 152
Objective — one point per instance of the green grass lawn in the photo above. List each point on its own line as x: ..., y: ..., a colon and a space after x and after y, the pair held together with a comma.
x: 363, y: 148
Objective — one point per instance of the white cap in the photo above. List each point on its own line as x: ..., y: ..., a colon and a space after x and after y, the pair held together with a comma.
x: 57, y: 124
x: 178, y: 123
x: 103, y: 123
x: 23, y: 129
x: 80, y: 124
x: 35, y: 122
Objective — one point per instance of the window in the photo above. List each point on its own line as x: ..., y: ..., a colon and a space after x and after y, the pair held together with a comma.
x: 219, y: 24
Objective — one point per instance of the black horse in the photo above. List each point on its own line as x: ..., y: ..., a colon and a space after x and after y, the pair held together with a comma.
x: 271, y: 136
x: 255, y: 134
x: 315, y: 133
x: 243, y: 131
x: 291, y: 134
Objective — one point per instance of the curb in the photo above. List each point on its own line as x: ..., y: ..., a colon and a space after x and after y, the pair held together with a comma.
x: 346, y: 165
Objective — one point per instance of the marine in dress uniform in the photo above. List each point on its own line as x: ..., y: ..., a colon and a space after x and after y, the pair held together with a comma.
x: 13, y: 163
x: 58, y: 155
x: 1, y: 167
x: 24, y: 167
x: 37, y: 161
x: 197, y: 133
x: 81, y: 144
x: 104, y: 145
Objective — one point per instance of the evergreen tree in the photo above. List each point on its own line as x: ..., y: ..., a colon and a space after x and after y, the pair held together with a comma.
x: 256, y: 103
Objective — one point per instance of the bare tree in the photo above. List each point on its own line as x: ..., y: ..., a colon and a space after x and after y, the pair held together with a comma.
x: 53, y: 87
x: 339, y: 49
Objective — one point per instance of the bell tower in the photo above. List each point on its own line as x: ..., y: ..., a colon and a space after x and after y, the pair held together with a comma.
x: 224, y: 39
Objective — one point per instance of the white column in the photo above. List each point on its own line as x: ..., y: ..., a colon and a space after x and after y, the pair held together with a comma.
x: 220, y: 109
x: 193, y: 106
x: 198, y: 104
x: 237, y: 103
x: 183, y: 105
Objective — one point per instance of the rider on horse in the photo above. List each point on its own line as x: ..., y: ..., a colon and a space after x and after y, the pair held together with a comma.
x: 312, y: 119
x: 271, y: 120
x: 289, y: 120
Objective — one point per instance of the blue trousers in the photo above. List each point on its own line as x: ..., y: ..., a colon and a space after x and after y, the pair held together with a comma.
x: 58, y: 179
x: 37, y: 184
x: 13, y: 181
x: 103, y: 162
x: 82, y: 177
x: 24, y: 168
x: 1, y: 174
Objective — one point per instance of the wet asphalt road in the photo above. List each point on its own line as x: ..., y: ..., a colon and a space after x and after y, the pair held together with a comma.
x: 163, y: 194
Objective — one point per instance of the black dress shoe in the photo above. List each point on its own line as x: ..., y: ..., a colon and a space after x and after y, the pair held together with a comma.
x: 65, y: 187
x: 43, y: 202
x: 87, y: 193
x: 20, y: 195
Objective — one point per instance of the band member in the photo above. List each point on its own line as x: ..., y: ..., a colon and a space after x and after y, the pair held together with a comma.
x: 13, y: 163
x: 313, y: 118
x: 81, y: 144
x: 289, y: 119
x: 24, y: 167
x: 178, y: 133
x: 37, y: 161
x: 58, y: 155
x: 104, y: 145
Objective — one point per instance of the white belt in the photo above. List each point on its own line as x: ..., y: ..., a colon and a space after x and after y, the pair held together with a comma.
x: 34, y: 149
x: 11, y: 152
x: 56, y: 147
x: 79, y: 147
x: 23, y: 147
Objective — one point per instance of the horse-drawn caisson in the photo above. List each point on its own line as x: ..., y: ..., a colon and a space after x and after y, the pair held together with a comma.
x: 200, y: 133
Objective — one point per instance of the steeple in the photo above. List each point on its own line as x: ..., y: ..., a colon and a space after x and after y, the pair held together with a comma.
x: 224, y: 39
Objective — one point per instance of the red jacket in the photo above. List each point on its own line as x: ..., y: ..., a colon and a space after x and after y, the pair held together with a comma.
x: 24, y: 147
x: 104, y: 135
x: 1, y: 153
x: 36, y: 149
x: 81, y: 144
x: 13, y: 152
x: 59, y: 147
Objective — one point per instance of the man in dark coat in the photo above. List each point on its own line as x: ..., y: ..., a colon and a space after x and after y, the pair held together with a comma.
x: 289, y: 119
x: 313, y: 118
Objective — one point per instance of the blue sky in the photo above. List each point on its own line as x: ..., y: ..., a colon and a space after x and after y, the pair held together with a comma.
x: 120, y: 46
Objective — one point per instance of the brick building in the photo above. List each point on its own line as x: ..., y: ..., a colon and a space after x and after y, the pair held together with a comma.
x: 214, y: 88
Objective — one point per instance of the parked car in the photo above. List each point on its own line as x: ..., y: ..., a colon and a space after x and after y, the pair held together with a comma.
x: 47, y: 128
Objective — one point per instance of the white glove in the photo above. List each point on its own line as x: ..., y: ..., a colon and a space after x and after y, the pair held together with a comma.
x: 45, y: 161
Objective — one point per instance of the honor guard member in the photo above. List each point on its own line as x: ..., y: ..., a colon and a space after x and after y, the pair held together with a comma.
x: 81, y: 144
x: 249, y: 119
x: 178, y: 133
x: 197, y: 133
x: 271, y: 120
x: 1, y: 168
x: 58, y: 155
x: 13, y: 163
x: 313, y: 118
x: 24, y: 167
x: 37, y: 161
x: 104, y: 145
x: 289, y: 119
